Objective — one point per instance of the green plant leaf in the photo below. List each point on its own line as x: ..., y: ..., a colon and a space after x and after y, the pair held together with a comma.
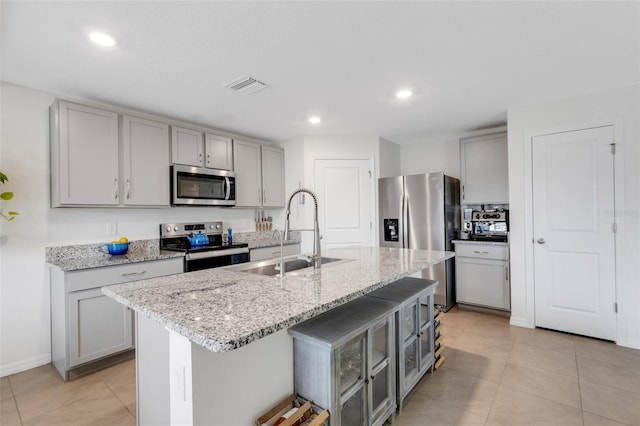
x: 13, y: 213
x: 3, y: 178
x: 6, y: 195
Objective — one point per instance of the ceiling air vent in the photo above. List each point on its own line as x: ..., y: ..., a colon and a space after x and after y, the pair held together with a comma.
x: 246, y: 84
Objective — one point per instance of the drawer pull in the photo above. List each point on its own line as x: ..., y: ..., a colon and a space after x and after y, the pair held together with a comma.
x: 480, y: 252
x: 126, y: 274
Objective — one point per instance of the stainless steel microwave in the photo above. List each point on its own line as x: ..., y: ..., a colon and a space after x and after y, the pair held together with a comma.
x: 197, y: 186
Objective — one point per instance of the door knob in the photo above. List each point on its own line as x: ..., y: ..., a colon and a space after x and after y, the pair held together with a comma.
x: 541, y: 241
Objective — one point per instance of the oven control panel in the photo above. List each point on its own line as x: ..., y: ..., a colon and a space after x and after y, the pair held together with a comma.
x: 184, y: 229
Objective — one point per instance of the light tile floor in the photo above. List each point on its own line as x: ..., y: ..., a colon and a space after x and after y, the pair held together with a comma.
x: 494, y: 375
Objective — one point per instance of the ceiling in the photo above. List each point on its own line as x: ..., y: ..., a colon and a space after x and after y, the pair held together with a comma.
x: 466, y: 62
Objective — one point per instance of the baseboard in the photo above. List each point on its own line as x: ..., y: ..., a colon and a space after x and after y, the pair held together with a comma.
x: 520, y: 322
x: 629, y: 343
x: 25, y: 364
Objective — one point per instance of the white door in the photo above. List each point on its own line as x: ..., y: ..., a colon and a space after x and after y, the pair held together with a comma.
x: 345, y: 196
x: 573, y: 217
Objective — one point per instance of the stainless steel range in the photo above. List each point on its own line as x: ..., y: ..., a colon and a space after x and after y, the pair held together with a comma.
x: 203, y: 245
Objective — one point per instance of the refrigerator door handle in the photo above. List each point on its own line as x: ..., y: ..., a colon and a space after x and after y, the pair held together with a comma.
x: 405, y: 221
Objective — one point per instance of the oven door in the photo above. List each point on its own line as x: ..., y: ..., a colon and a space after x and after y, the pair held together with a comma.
x: 197, y: 186
x: 215, y: 259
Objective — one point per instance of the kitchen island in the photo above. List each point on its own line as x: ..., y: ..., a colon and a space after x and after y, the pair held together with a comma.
x: 212, y: 345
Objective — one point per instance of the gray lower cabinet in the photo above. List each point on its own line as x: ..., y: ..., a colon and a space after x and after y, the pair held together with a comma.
x: 345, y: 361
x: 89, y: 329
x: 415, y: 346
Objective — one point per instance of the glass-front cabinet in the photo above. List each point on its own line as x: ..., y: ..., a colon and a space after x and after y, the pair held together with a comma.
x: 345, y: 362
x: 415, y: 346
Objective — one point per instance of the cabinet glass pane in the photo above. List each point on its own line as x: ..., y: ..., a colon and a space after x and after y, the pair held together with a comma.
x: 425, y: 307
x: 409, y: 321
x: 380, y: 344
x: 426, y: 339
x: 353, y: 410
x: 380, y: 391
x: 411, y: 359
x: 351, y: 363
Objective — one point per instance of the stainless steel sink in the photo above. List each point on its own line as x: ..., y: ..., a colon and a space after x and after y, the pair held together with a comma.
x: 291, y: 264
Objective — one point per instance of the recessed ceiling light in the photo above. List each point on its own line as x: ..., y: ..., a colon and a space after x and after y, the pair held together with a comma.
x: 315, y: 120
x: 404, y: 94
x: 102, y: 39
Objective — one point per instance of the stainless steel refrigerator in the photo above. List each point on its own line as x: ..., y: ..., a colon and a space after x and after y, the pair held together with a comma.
x: 423, y: 212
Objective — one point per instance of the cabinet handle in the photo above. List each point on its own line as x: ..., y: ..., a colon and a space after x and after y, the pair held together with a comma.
x: 208, y: 158
x: 463, y: 192
x: 480, y: 252
x: 128, y: 189
x: 126, y: 274
x: 506, y: 273
x: 366, y: 382
x: 264, y: 196
x: 373, y: 377
x: 115, y: 187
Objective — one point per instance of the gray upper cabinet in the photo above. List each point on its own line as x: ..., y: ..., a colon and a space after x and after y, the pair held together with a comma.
x: 259, y: 175
x: 84, y: 156
x: 218, y: 152
x: 93, y: 164
x: 187, y: 147
x: 145, y: 160
x: 484, y: 169
x: 195, y: 148
x: 272, y: 177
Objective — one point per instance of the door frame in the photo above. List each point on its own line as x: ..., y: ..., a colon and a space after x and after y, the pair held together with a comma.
x: 618, y: 134
x: 374, y: 195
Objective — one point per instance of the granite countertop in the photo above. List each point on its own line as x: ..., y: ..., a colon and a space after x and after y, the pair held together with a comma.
x: 490, y: 243
x: 87, y: 256
x: 223, y: 310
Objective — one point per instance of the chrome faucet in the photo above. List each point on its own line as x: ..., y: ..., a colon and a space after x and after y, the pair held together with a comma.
x: 317, y: 257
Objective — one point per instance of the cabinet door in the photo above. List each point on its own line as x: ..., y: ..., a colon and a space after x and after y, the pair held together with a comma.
x: 98, y: 326
x: 145, y: 162
x: 484, y: 169
x: 247, y: 166
x: 186, y: 147
x: 218, y: 152
x: 382, y: 375
x: 426, y: 330
x: 350, y: 380
x: 483, y: 282
x: 84, y: 156
x: 272, y: 177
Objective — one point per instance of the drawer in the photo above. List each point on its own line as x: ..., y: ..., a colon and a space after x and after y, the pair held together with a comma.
x: 484, y: 251
x: 273, y: 252
x: 117, y: 274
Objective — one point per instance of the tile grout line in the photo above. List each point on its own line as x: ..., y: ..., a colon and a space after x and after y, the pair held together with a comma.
x: 15, y: 401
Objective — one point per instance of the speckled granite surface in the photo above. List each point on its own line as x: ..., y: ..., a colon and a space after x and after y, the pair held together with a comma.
x: 86, y: 256
x: 486, y: 243
x: 264, y: 239
x: 223, y: 310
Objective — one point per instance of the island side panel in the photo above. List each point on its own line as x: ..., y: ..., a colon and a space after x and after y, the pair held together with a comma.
x: 152, y: 372
x: 237, y: 387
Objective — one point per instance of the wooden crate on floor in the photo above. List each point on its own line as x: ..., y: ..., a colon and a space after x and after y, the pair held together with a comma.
x: 306, y: 413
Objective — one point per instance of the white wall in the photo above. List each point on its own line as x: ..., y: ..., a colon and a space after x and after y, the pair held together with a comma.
x: 432, y: 155
x: 619, y: 107
x: 24, y: 290
x: 390, y: 158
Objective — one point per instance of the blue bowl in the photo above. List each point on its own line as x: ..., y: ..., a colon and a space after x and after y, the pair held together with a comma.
x: 117, y: 248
